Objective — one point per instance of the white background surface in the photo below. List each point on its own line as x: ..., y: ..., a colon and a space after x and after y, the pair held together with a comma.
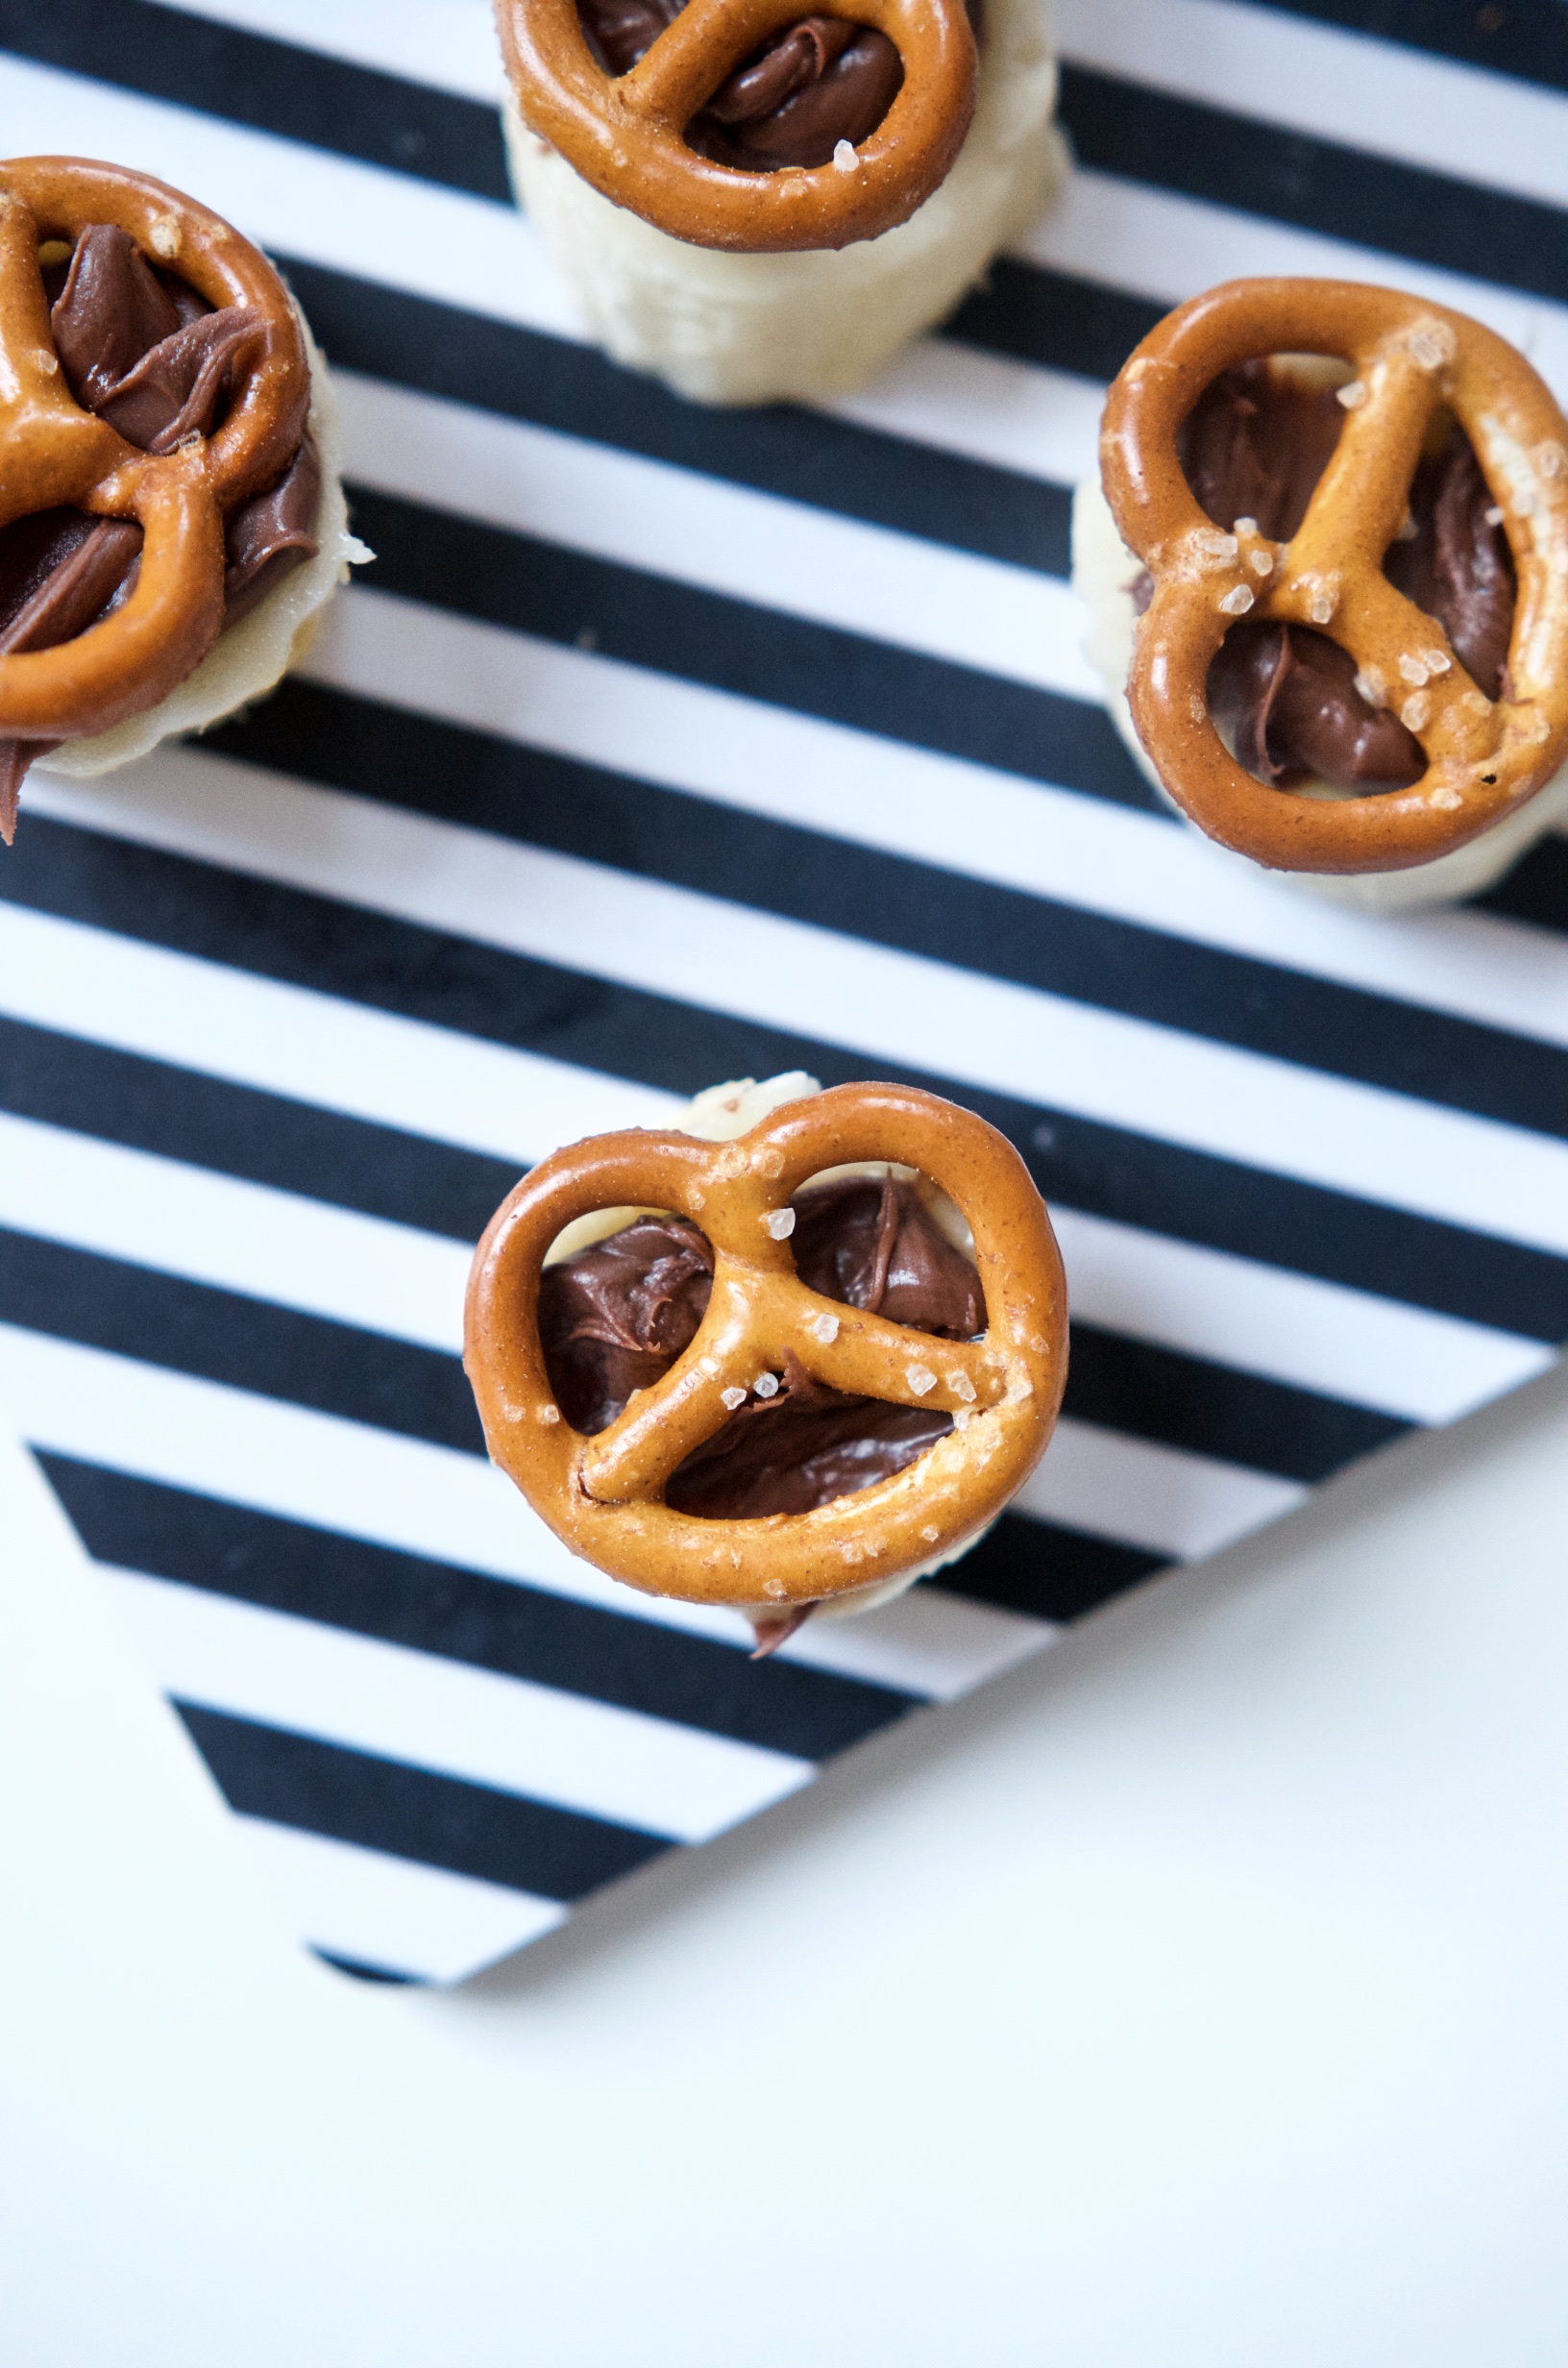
x: 1194, y: 1995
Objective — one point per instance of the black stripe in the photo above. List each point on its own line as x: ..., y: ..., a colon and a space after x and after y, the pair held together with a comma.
x: 303, y: 94
x: 394, y: 965
x: 410, y: 1813
x: 1536, y: 889
x: 533, y: 586
x: 1315, y: 185
x: 379, y: 119
x: 1044, y: 1571
x: 801, y: 456
x: 238, y: 1130
x: 1051, y: 318
x: 246, y: 1344
x: 457, y: 776
x: 489, y: 1623
x: 361, y: 1376
x: 1527, y: 38
x: 359, y: 1971
x: 1183, y: 1401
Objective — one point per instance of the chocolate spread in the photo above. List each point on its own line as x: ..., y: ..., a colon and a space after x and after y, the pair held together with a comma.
x: 1254, y: 446
x: 142, y: 349
x: 614, y: 1318
x: 790, y: 103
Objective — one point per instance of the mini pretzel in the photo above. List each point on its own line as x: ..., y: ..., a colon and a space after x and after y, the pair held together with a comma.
x: 625, y: 132
x: 602, y: 1495
x: 1484, y: 758
x: 54, y: 452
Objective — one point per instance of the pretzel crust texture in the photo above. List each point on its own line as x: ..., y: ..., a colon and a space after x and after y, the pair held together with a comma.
x: 624, y: 134
x: 1485, y: 758
x: 53, y: 452
x: 602, y: 1495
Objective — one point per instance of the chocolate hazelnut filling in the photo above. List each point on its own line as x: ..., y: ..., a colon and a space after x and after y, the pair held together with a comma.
x: 614, y: 1318
x: 790, y: 103
x: 141, y: 348
x: 1254, y: 446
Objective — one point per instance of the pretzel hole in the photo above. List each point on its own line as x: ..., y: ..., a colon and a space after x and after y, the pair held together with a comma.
x: 1259, y: 436
x: 617, y: 1310
x: 1451, y: 556
x: 1291, y: 706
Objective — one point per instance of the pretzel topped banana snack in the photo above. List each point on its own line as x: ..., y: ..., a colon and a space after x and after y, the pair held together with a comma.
x: 864, y: 1371
x: 1352, y: 509
x: 757, y: 201
x: 162, y: 477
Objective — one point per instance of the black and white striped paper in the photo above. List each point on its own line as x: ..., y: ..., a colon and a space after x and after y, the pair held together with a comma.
x: 660, y: 747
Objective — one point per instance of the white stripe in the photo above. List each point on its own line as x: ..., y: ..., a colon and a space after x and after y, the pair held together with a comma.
x: 425, y: 1711
x: 1123, y: 233
x: 1043, y: 423
x: 436, y: 242
x: 1387, y: 98
x: 728, y: 539
x: 1349, y: 1345
x: 1165, y: 1499
x: 1338, y: 86
x: 341, y: 1056
x: 797, y: 770
x: 58, y: 974
x: 414, y: 1497
x: 939, y: 1645
x: 303, y: 201
x: 234, y: 1234
x: 390, y: 1912
x: 884, y: 1003
x: 452, y: 48
x: 349, y: 1268
x: 486, y: 259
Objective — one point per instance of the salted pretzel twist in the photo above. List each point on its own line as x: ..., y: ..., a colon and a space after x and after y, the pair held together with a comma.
x: 54, y: 452
x: 602, y: 1495
x: 1484, y: 757
x: 624, y: 134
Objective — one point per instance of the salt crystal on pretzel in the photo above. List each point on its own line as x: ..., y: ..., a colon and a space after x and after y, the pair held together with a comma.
x: 1484, y: 778
x: 142, y: 650
x: 605, y: 1494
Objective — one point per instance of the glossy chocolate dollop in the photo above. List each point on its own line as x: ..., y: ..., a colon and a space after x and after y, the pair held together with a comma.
x: 1287, y: 700
x: 615, y: 1317
x: 1255, y: 443
x: 1254, y: 446
x: 142, y: 349
x: 817, y: 82
x: 1457, y: 565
